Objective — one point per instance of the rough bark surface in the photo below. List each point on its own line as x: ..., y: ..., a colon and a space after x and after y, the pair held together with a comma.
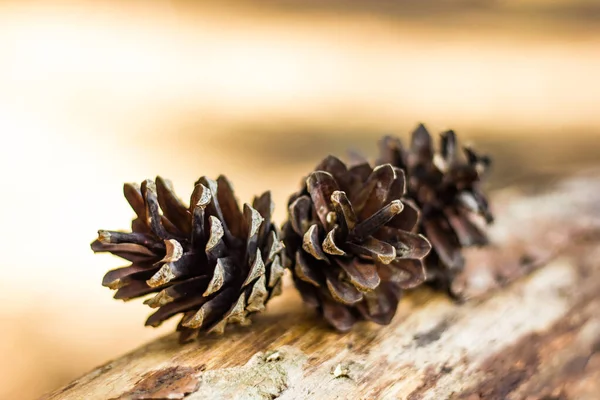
x: 529, y: 330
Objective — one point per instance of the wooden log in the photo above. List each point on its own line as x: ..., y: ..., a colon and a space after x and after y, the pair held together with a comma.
x: 530, y: 329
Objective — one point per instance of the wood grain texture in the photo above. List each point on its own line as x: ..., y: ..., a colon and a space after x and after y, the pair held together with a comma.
x: 529, y: 330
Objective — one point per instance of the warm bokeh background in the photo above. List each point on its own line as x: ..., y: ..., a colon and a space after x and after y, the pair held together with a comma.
x: 93, y: 94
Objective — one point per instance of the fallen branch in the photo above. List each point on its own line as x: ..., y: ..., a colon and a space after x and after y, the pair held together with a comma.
x: 538, y: 336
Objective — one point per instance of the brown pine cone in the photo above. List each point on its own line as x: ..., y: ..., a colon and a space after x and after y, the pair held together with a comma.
x: 209, y: 261
x: 349, y: 243
x: 447, y: 189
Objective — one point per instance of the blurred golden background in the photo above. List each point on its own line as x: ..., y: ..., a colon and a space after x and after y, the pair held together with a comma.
x: 97, y: 93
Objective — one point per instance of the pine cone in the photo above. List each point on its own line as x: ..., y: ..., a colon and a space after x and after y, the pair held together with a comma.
x: 349, y: 242
x: 447, y: 189
x: 210, y: 261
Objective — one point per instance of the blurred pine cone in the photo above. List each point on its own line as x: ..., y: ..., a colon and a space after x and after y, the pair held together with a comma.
x: 210, y: 261
x: 446, y: 187
x: 349, y: 243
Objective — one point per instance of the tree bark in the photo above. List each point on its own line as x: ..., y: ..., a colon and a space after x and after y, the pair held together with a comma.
x: 529, y: 328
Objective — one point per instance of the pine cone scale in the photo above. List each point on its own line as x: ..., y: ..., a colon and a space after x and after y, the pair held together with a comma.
x: 153, y: 217
x: 164, y: 275
x: 173, y: 208
x: 299, y: 212
x: 275, y: 247
x: 391, y: 151
x: 181, y: 268
x: 362, y: 275
x: 421, y: 147
x: 129, y: 251
x: 173, y: 251
x: 222, y: 274
x: 276, y: 272
x: 345, y: 215
x: 409, y: 273
x: 229, y: 207
x: 142, y: 239
x: 175, y: 307
x: 304, y: 272
x: 321, y: 185
x: 338, y: 315
x: 342, y: 292
x: 177, y: 291
x: 117, y: 278
x: 373, y: 249
x: 213, y: 208
x: 407, y: 244
x: 338, y: 170
x: 258, y: 295
x: 329, y: 246
x: 475, y: 202
x: 256, y: 270
x: 215, y: 246
x: 311, y: 243
x: 252, y: 221
x: 213, y: 312
x: 467, y: 232
x: 380, y: 305
x: 444, y: 243
x: 377, y: 220
x: 375, y: 192
x: 357, y: 175
x: 133, y: 195
x: 408, y: 219
x: 265, y: 207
